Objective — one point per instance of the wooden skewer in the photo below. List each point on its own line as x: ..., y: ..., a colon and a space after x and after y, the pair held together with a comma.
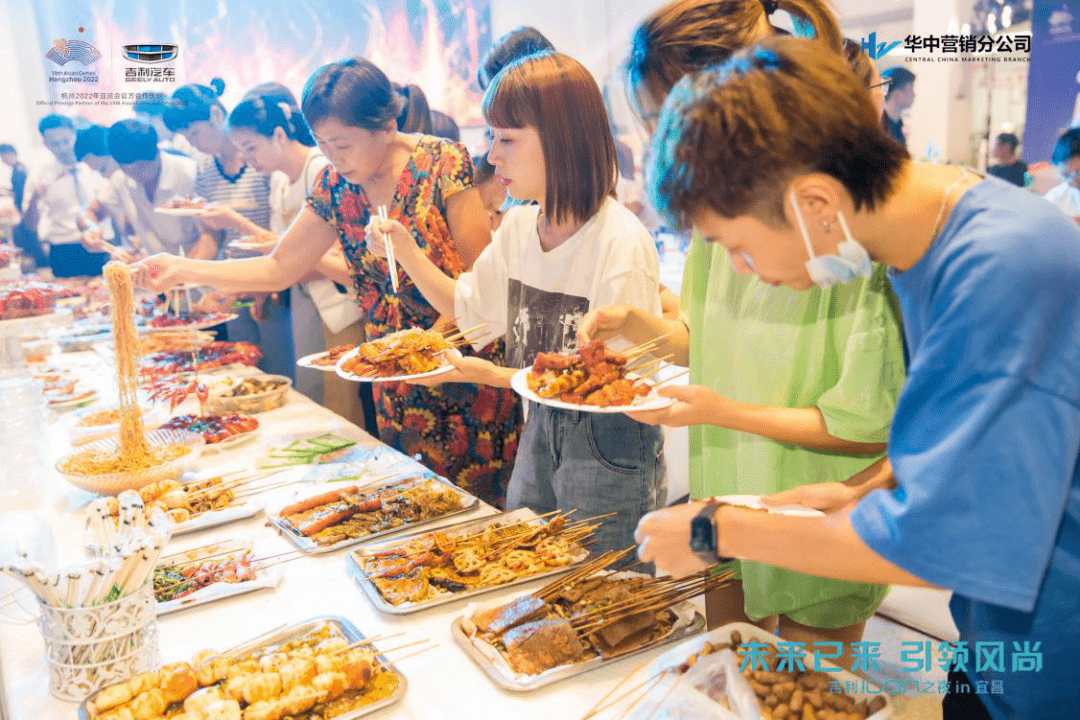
x: 417, y: 652
x: 631, y: 367
x: 676, y: 376
x: 367, y: 641
x: 236, y: 647
x: 264, y: 488
x: 465, y: 333
x: 402, y: 647
x: 593, y: 710
x: 654, y: 341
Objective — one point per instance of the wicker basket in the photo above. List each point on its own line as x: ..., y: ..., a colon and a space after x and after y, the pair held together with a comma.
x: 113, y: 483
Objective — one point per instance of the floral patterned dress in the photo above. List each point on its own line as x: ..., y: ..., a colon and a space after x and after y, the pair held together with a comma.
x: 468, y: 433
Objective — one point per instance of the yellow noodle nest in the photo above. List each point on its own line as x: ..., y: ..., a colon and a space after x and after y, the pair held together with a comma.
x: 102, y: 417
x: 98, y: 461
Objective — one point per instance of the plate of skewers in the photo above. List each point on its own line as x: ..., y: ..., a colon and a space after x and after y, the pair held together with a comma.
x: 404, y: 355
x: 194, y: 320
x: 429, y: 569
x: 593, y: 379
x: 215, y: 572
x: 582, y: 621
x: 324, y: 667
x: 331, y: 519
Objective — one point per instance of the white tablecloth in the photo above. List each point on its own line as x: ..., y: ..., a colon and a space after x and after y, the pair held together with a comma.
x: 443, y: 682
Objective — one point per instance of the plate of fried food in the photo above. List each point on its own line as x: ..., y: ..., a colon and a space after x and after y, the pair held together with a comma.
x: 220, y: 432
x: 404, y: 355
x: 213, y: 572
x: 194, y: 320
x: 191, y: 506
x: 584, y: 620
x: 593, y: 379
x: 326, y: 360
x: 318, y: 669
x: 183, y: 206
x: 459, y: 561
x: 335, y: 518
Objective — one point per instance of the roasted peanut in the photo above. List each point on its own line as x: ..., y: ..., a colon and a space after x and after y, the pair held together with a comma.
x: 796, y: 701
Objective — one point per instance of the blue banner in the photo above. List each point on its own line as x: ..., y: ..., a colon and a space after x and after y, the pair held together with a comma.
x: 1053, y: 102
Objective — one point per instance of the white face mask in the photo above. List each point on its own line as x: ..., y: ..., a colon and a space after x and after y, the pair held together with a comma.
x: 826, y: 270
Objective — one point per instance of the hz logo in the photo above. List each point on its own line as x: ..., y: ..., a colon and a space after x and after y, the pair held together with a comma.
x: 64, y: 51
x: 875, y: 50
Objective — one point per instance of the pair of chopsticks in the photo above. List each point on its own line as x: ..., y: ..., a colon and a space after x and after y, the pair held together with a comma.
x: 391, y: 261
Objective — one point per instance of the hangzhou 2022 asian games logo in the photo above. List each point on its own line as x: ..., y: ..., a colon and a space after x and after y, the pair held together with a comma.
x: 64, y: 51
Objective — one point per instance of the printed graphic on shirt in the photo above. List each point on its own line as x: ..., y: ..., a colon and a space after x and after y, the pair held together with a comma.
x: 540, y: 321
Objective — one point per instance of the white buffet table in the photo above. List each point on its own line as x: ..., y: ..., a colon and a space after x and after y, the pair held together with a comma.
x: 443, y: 682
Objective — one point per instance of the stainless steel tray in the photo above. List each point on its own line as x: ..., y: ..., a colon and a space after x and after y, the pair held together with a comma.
x: 381, y: 603
x: 504, y: 677
x: 309, y: 546
x: 341, y: 627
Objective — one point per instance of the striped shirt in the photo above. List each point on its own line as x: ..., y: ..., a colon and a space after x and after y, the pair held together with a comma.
x: 249, y: 191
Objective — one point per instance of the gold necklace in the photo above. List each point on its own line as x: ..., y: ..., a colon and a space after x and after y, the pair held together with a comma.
x: 944, y: 202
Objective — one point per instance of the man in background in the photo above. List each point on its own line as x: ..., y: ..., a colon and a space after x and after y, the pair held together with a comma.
x: 1066, y: 159
x: 898, y: 98
x: 59, y: 194
x: 1010, y: 167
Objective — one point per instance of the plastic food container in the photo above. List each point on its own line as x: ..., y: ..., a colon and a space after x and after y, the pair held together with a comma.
x: 219, y: 403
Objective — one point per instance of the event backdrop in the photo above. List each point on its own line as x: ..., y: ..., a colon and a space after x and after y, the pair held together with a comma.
x: 1054, y: 77
x: 433, y: 43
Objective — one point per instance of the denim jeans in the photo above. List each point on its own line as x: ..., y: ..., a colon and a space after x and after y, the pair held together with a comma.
x: 596, y: 463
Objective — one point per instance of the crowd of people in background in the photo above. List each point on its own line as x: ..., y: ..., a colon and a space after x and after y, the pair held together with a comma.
x: 827, y: 310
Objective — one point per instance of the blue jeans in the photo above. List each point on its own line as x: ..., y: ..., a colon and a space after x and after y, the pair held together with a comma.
x: 593, y: 462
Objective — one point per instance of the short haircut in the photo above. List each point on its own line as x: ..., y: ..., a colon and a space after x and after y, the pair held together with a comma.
x: 521, y: 42
x: 415, y: 115
x: 6, y: 148
x: 1067, y: 147
x: 685, y: 36
x: 1009, y: 139
x: 898, y: 77
x: 133, y: 141
x: 263, y: 114
x: 192, y: 103
x: 442, y: 125
x: 482, y: 169
x: 355, y: 92
x: 52, y: 122
x: 91, y: 141
x: 151, y: 103
x: 732, y: 138
x: 557, y: 96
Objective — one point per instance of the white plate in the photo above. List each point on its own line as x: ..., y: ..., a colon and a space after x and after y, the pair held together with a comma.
x: 306, y: 362
x: 264, y: 579
x: 231, y: 442
x: 397, y: 378
x: 202, y: 325
x: 180, y: 212
x: 61, y: 404
x: 754, y: 502
x: 520, y: 383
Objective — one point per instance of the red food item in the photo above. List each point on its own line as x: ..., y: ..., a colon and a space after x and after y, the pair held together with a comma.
x: 214, y: 355
x: 176, y: 390
x: 213, y: 428
x: 316, y: 501
x: 185, y: 319
x: 28, y: 300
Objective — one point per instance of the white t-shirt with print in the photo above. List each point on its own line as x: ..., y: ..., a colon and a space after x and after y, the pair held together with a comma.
x: 1067, y: 198
x: 536, y: 298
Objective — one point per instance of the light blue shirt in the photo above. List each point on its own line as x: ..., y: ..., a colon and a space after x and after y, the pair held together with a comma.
x: 986, y: 440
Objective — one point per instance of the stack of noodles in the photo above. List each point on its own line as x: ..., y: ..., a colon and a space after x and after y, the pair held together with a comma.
x: 588, y: 613
x: 133, y: 453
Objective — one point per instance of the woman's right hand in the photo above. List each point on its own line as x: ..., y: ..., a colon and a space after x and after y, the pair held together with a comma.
x: 602, y: 323
x: 159, y: 272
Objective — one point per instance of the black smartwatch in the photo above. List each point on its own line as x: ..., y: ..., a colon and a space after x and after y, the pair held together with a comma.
x: 704, y: 538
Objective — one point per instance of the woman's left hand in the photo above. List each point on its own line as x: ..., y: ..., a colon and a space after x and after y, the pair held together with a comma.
x: 663, y: 538
x: 222, y: 217
x: 694, y: 405
x: 378, y: 232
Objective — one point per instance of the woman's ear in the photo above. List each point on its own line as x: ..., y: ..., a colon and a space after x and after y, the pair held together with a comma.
x: 217, y: 116
x: 280, y: 136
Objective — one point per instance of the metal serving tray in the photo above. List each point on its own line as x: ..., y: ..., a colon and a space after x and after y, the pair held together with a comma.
x: 339, y: 626
x: 690, y: 622
x: 380, y: 603
x: 309, y: 546
x: 265, y: 579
